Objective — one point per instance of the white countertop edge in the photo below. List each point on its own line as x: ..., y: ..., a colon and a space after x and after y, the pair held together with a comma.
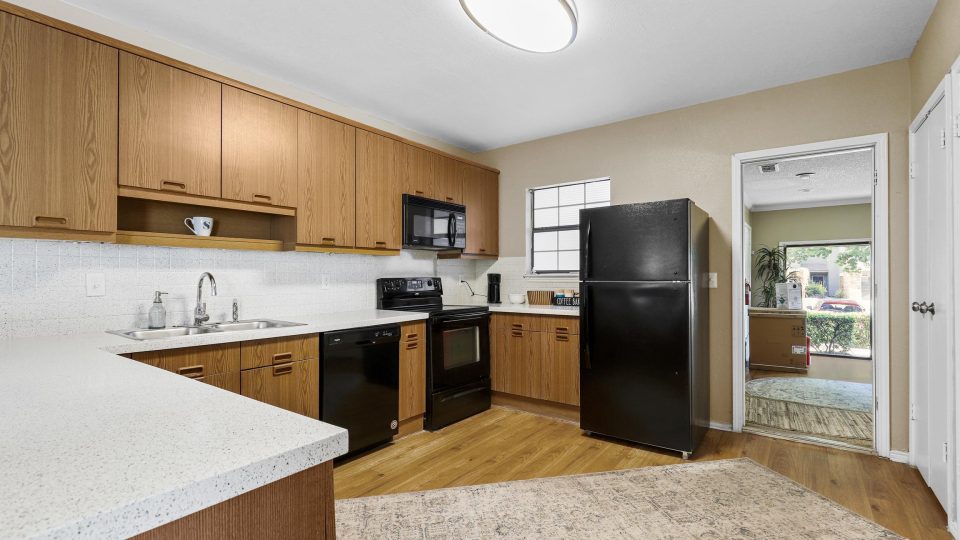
x: 124, y: 345
x: 563, y: 311
x: 137, y: 517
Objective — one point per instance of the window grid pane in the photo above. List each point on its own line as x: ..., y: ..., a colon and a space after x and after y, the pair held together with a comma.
x: 555, y: 239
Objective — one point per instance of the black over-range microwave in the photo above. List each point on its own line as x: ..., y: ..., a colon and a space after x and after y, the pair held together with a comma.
x: 430, y: 224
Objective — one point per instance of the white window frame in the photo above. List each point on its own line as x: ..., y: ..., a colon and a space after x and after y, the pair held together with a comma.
x: 528, y: 232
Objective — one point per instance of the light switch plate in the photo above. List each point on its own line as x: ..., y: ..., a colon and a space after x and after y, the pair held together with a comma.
x: 712, y: 280
x: 96, y: 285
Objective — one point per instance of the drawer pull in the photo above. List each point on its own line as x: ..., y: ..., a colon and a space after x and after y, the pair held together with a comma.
x: 283, y: 369
x: 262, y: 196
x: 413, y: 345
x: 281, y: 357
x: 379, y: 243
x: 412, y: 335
x: 50, y: 221
x: 193, y: 372
x: 168, y: 185
x: 517, y: 326
x: 330, y: 241
x: 483, y: 250
x: 516, y: 333
x: 563, y: 330
x: 563, y: 337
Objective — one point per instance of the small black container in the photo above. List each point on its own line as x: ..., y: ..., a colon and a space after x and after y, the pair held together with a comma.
x: 493, y: 288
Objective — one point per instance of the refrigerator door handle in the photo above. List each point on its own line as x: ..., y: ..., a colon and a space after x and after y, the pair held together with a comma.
x: 585, y: 327
x: 586, y: 254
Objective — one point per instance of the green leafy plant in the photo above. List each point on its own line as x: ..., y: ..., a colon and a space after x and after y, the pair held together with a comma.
x: 816, y: 290
x: 837, y: 333
x: 771, y: 268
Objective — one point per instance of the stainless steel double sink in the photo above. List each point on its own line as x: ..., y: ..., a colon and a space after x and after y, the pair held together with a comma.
x: 212, y: 328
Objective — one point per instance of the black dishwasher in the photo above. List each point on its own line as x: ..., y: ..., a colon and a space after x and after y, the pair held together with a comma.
x: 360, y: 383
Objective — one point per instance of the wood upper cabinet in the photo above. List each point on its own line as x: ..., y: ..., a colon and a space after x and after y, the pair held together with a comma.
x: 379, y: 188
x: 450, y: 184
x: 169, y: 128
x: 58, y: 129
x: 259, y: 149
x: 481, y: 196
x: 413, y: 371
x: 420, y: 172
x: 294, y: 386
x: 326, y: 160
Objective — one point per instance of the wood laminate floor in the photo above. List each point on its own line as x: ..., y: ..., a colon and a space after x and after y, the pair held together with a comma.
x: 505, y: 444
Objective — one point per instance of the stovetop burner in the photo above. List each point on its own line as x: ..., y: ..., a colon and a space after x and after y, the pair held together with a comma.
x: 423, y: 294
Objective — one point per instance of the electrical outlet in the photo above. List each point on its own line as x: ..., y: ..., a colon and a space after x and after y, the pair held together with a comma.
x: 96, y: 284
x: 712, y: 280
x: 459, y: 278
x: 324, y: 281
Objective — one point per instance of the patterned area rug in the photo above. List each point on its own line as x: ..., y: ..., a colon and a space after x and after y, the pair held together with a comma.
x: 734, y: 498
x: 833, y: 409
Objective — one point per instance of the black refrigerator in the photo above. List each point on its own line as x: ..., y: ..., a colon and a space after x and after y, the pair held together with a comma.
x: 644, y: 350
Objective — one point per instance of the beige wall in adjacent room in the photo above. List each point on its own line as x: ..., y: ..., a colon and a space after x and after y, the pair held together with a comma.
x: 846, y: 222
x: 937, y: 50
x: 687, y: 152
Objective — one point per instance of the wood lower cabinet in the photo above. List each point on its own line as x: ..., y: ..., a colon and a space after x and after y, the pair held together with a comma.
x: 259, y: 149
x: 413, y: 371
x: 531, y: 358
x: 268, y: 352
x: 169, y: 128
x: 481, y: 196
x: 379, y: 189
x: 217, y: 365
x: 560, y: 368
x: 294, y: 386
x: 58, y: 129
x: 326, y: 202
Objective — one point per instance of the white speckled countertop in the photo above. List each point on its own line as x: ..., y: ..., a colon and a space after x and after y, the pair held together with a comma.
x: 535, y: 310
x: 94, y: 445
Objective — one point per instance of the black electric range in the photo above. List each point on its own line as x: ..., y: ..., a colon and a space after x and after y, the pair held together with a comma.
x: 458, y: 348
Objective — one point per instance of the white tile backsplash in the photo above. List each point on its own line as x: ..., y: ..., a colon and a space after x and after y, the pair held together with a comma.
x: 512, y: 272
x: 42, y: 283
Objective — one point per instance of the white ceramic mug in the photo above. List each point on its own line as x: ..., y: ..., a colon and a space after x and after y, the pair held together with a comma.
x: 201, y: 226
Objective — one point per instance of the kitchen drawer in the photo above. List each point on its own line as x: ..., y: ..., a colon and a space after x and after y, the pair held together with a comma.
x: 413, y: 331
x: 561, y: 324
x: 294, y: 386
x: 195, y: 362
x: 516, y: 321
x: 267, y: 352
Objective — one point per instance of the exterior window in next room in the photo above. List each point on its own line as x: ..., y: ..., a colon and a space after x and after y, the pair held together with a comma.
x: 554, y: 241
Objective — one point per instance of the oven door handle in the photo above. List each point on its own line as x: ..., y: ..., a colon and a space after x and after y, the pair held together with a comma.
x: 461, y: 318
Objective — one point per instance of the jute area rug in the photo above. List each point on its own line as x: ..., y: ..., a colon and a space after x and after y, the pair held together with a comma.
x: 734, y: 498
x: 833, y: 409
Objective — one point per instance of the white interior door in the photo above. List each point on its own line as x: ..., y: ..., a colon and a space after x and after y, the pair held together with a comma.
x: 931, y: 238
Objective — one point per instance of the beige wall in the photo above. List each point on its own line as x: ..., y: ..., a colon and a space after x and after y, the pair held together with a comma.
x: 847, y: 222
x: 937, y: 50
x: 686, y: 153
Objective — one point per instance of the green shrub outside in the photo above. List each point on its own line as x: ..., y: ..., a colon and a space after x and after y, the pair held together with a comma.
x: 838, y: 332
x: 816, y: 290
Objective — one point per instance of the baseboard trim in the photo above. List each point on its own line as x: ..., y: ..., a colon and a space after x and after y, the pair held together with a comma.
x: 720, y: 426
x: 954, y: 529
x: 900, y: 456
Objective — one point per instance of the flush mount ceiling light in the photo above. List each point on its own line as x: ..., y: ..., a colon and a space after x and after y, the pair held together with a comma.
x: 541, y: 26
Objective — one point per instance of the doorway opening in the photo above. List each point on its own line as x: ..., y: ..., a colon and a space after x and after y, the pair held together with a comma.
x: 810, y: 293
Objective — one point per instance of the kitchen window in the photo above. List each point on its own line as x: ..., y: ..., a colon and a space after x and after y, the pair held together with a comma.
x: 555, y: 217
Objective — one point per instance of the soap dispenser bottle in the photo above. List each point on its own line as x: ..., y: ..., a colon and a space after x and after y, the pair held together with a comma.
x: 158, y: 314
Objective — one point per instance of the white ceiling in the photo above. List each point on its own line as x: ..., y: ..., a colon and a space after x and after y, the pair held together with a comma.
x: 845, y: 178
x: 424, y: 65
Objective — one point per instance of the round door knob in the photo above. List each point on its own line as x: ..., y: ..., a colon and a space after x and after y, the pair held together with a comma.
x: 923, y: 308
x: 915, y: 306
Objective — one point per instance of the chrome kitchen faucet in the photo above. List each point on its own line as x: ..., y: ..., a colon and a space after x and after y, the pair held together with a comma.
x: 200, y: 315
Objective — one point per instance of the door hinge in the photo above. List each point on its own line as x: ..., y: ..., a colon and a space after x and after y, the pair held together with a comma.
x: 913, y: 170
x: 943, y: 138
x: 875, y: 177
x: 946, y: 453
x: 913, y: 411
x: 956, y: 126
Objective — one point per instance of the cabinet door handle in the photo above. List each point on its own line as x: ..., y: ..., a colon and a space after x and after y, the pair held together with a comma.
x: 168, y: 185
x: 417, y: 192
x: 280, y: 357
x: 193, y: 372
x: 413, y: 345
x: 516, y: 333
x: 563, y: 337
x: 50, y: 221
x: 379, y: 243
x: 449, y: 199
x: 262, y: 196
x: 326, y: 240
x: 517, y: 326
x: 283, y: 369
x: 412, y: 335
x: 562, y: 330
